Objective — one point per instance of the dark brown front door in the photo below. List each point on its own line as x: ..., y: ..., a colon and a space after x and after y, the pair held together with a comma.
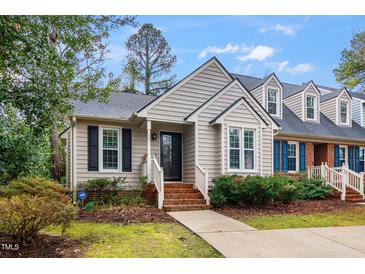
x: 171, y: 154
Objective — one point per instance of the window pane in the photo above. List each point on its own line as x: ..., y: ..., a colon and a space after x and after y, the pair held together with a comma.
x: 234, y: 158
x: 343, y: 112
x: 249, y: 159
x: 271, y: 101
x: 110, y: 138
x: 310, y: 113
x: 292, y: 157
x: 310, y: 101
x: 292, y: 164
x: 292, y: 150
x: 110, y: 159
x: 249, y: 139
x: 361, y: 156
x: 234, y: 137
x: 271, y: 108
x: 342, y: 153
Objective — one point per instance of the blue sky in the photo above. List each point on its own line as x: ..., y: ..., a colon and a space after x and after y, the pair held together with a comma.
x: 296, y: 48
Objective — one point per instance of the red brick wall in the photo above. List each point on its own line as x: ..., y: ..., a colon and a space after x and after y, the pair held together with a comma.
x: 330, y: 155
x: 309, y: 154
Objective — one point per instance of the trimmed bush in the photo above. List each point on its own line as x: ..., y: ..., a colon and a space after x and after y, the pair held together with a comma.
x: 284, y: 189
x: 313, y: 189
x: 225, y: 191
x: 30, y: 204
x: 105, y: 189
x: 255, y: 190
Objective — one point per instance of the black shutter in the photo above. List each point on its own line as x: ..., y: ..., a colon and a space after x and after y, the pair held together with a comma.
x: 127, y: 149
x: 93, y: 148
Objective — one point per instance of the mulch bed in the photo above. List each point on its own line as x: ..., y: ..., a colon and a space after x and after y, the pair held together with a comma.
x: 297, y: 207
x: 126, y: 215
x: 43, y: 247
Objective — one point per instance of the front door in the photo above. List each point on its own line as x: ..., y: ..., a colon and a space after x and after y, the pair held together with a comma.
x: 171, y: 154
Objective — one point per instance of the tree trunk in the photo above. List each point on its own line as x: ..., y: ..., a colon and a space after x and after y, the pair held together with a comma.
x: 55, y: 158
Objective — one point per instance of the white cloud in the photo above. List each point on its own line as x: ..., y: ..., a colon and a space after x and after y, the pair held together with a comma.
x: 283, y: 67
x: 286, y: 30
x: 301, y: 68
x: 259, y: 53
x: 115, y: 53
x: 229, y: 48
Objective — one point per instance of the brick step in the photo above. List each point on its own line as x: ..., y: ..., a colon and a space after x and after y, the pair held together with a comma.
x: 350, y: 195
x: 181, y: 190
x: 184, y: 207
x: 355, y: 200
x: 194, y: 195
x: 177, y: 185
x: 184, y: 202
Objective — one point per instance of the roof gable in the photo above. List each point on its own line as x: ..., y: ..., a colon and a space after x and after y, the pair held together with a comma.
x: 143, y: 111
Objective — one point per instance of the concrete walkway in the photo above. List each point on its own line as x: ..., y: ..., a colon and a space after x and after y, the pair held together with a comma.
x: 234, y: 239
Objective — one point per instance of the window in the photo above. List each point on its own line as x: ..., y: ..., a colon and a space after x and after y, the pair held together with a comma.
x: 342, y: 155
x: 293, y: 158
x: 311, y: 107
x: 272, y: 98
x: 344, y: 112
x: 249, y: 149
x: 234, y: 148
x: 362, y: 159
x: 110, y: 149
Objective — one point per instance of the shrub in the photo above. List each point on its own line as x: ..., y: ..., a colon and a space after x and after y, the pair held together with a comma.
x: 284, y: 189
x: 315, y: 189
x: 255, y: 190
x: 31, y: 204
x: 129, y: 200
x: 225, y: 191
x: 105, y: 189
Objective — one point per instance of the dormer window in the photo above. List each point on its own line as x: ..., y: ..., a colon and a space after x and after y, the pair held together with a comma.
x: 311, y: 107
x: 272, y: 101
x: 344, y: 112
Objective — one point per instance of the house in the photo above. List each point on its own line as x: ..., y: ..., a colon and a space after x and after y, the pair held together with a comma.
x: 214, y: 122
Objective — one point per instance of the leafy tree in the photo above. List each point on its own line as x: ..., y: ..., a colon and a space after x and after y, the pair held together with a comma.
x: 48, y: 61
x: 151, y: 58
x: 351, y: 70
x: 21, y: 153
x: 130, y: 72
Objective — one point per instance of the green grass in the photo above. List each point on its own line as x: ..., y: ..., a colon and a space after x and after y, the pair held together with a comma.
x: 138, y: 241
x: 351, y: 217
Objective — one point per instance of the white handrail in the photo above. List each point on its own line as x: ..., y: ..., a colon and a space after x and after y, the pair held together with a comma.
x: 354, y: 180
x: 202, y: 182
x: 158, y: 179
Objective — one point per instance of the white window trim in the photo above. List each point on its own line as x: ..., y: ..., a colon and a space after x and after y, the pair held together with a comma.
x: 314, y: 107
x: 239, y: 149
x: 362, y: 148
x: 297, y: 156
x: 346, y: 153
x: 254, y: 149
x: 277, y: 101
x: 347, y: 112
x: 242, y: 169
x: 101, y: 169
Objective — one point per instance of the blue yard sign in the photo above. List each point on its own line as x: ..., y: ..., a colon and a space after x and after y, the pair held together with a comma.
x: 82, y: 195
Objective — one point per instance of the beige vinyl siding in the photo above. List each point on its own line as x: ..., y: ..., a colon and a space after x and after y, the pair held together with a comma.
x: 180, y: 103
x: 209, y: 146
x: 189, y: 154
x: 274, y: 85
x: 328, y: 108
x: 295, y: 103
x: 356, y: 110
x: 258, y: 94
x: 312, y: 92
x: 344, y: 97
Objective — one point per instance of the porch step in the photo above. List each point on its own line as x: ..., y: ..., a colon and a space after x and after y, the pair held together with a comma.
x: 182, y: 196
x: 352, y: 196
x: 184, y: 207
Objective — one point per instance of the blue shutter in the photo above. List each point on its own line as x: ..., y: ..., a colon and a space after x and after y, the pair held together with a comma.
x: 351, y: 157
x: 302, y: 157
x: 337, y: 156
x: 357, y: 159
x: 284, y: 145
x: 276, y: 156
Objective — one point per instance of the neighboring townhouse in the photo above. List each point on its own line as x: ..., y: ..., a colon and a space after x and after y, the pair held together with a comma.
x: 210, y: 123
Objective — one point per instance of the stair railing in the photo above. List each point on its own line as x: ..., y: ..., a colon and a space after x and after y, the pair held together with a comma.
x: 158, y: 179
x: 354, y: 180
x: 202, y: 182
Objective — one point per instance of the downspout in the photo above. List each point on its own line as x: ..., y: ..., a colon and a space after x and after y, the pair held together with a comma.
x: 74, y: 175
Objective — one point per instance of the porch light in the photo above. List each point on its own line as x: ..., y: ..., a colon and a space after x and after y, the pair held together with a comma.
x: 154, y: 136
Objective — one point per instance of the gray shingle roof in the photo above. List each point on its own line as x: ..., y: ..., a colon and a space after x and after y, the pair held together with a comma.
x: 331, y: 95
x: 292, y: 124
x: 119, y: 105
x: 358, y: 95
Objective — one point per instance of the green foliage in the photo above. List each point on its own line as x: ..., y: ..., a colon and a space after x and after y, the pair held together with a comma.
x: 30, y: 204
x: 143, y: 180
x: 351, y: 70
x: 89, y: 206
x: 23, y: 151
x: 254, y: 190
x: 149, y: 61
x: 315, y: 189
x: 128, y: 200
x: 105, y: 189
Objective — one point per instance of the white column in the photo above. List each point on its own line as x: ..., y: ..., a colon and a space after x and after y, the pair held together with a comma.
x: 148, y: 150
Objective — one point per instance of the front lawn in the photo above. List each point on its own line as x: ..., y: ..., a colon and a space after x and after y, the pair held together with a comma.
x: 137, y: 241
x: 354, y: 216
